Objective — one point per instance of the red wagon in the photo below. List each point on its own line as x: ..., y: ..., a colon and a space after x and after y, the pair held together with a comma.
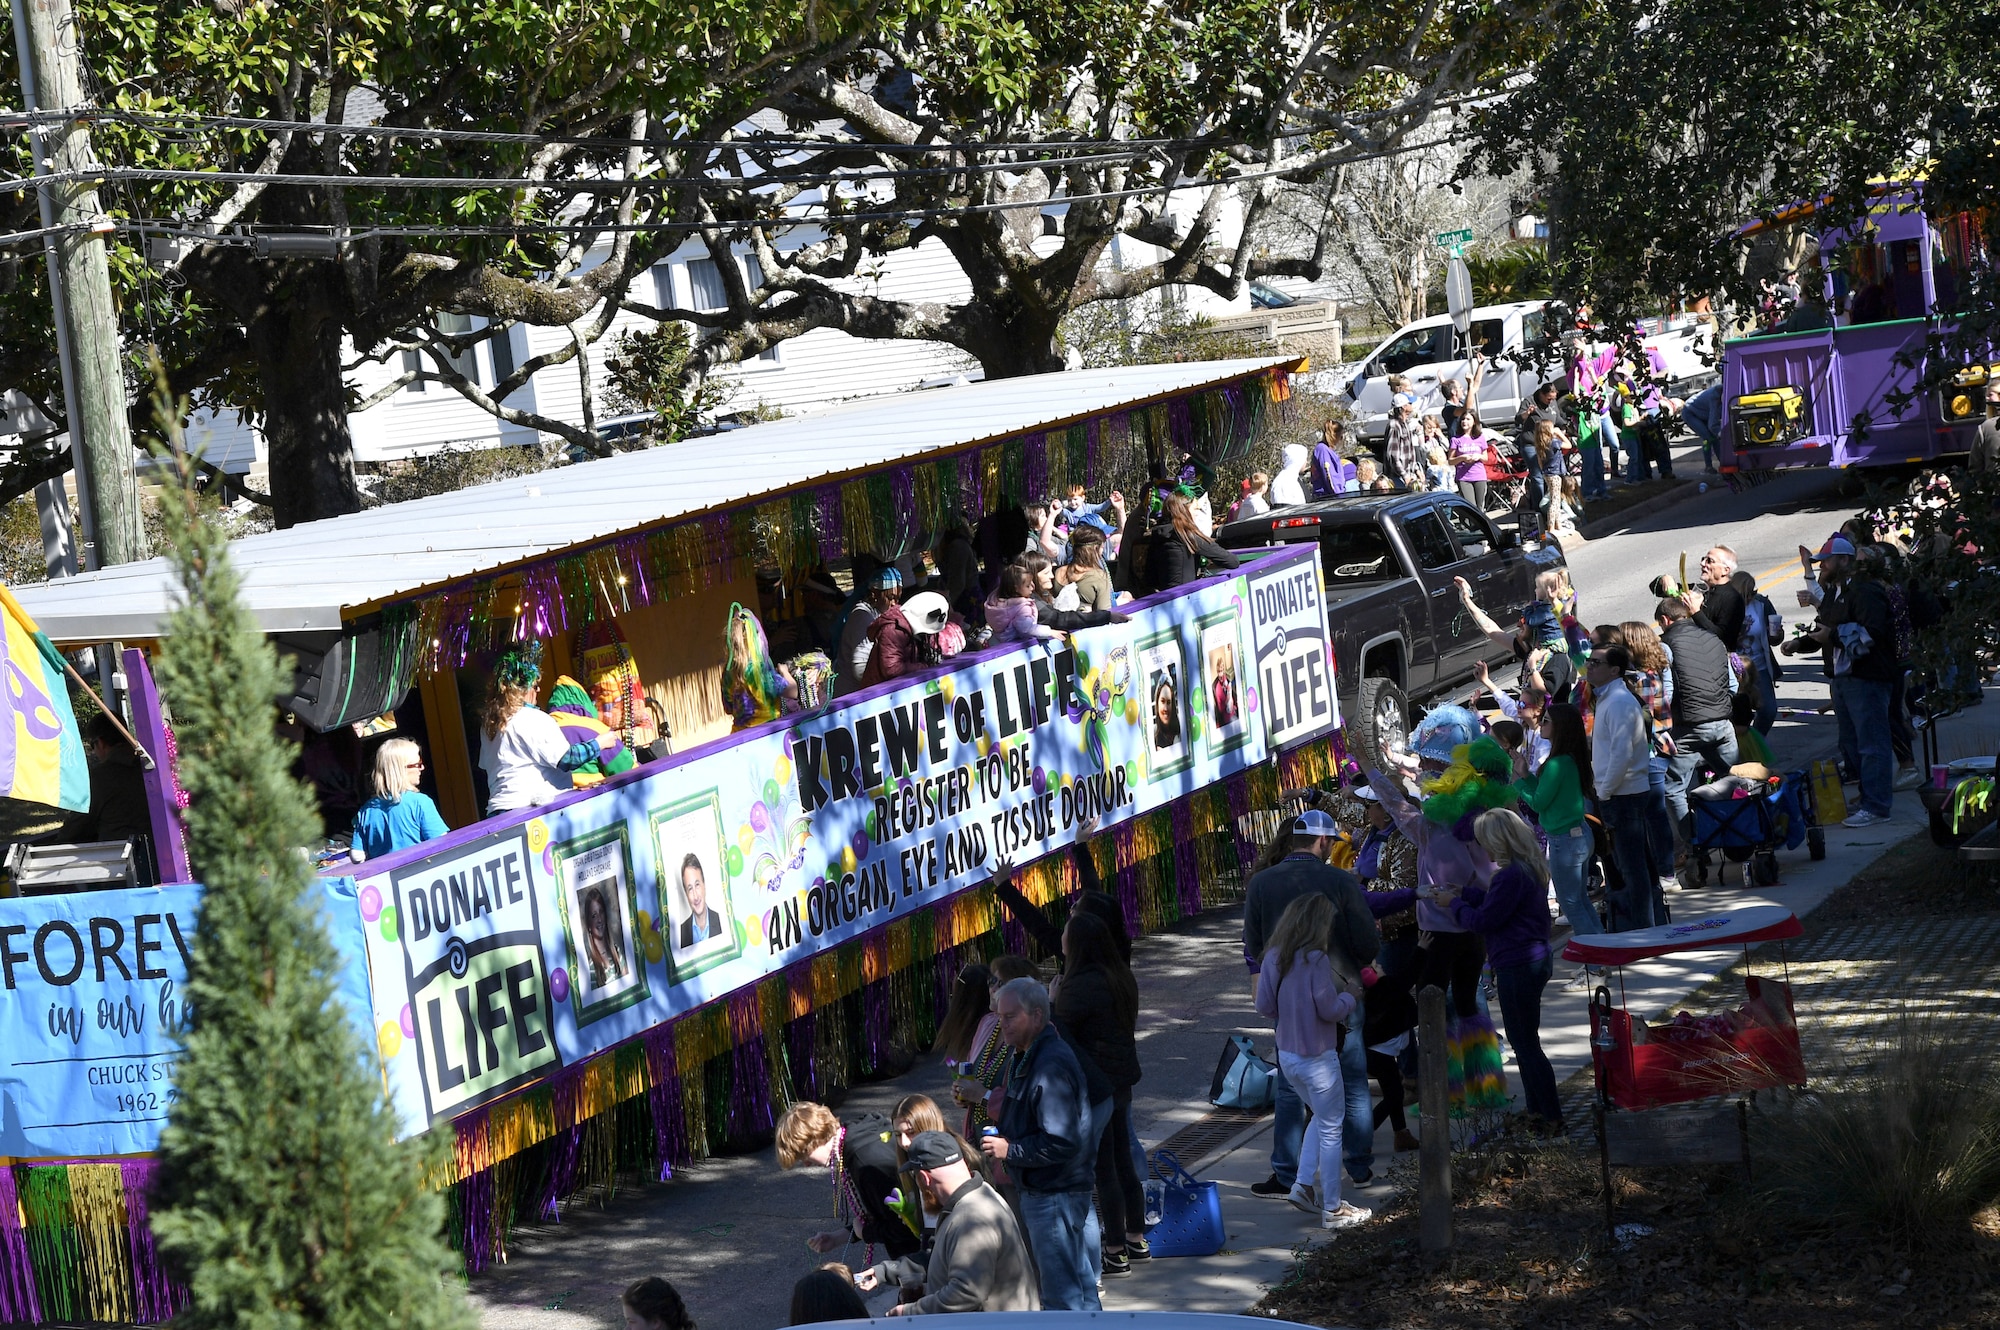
x: 1754, y: 1046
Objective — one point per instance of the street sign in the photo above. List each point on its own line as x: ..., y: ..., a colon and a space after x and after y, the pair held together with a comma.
x: 1455, y: 241
x: 1458, y: 293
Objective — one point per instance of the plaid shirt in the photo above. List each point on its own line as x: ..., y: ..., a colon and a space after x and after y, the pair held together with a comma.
x: 1406, y: 465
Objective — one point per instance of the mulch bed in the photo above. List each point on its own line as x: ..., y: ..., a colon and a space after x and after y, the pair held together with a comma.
x: 1530, y: 1247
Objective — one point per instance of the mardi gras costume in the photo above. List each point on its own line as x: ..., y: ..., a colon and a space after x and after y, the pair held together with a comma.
x: 1473, y: 780
x: 577, y: 714
x: 612, y: 677
x: 752, y: 689
x: 529, y: 760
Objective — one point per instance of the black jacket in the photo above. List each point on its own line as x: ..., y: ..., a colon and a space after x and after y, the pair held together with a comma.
x: 1045, y: 1118
x: 1087, y: 1013
x: 1722, y: 611
x: 869, y: 1154
x: 1354, y: 931
x: 1068, y: 621
x: 1701, y: 674
x: 1170, y: 563
x: 1863, y: 601
x: 1089, y: 899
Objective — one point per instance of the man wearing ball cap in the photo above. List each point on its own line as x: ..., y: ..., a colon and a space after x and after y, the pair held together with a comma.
x: 978, y: 1262
x: 1354, y: 943
x: 1857, y: 643
x: 1405, y: 450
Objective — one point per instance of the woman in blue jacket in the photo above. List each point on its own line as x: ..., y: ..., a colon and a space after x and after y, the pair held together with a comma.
x: 399, y: 815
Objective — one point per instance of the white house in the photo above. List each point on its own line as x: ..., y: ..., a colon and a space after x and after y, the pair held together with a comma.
x: 820, y: 368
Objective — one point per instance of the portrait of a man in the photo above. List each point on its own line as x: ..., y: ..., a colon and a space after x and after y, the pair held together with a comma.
x: 702, y: 922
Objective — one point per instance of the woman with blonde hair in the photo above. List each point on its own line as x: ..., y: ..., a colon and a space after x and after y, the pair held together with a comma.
x: 863, y: 1162
x: 399, y: 815
x: 1512, y: 914
x: 1298, y: 987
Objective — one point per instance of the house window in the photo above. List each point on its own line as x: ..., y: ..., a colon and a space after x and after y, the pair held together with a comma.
x: 499, y: 354
x: 705, y: 281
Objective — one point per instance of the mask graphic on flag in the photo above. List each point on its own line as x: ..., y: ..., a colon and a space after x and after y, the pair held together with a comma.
x: 41, y: 753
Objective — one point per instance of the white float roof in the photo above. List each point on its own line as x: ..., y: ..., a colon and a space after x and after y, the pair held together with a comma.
x: 314, y: 576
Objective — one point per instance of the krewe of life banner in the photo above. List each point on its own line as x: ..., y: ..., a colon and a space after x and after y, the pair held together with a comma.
x: 507, y: 950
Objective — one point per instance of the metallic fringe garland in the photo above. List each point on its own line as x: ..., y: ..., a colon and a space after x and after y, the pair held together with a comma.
x: 74, y: 1240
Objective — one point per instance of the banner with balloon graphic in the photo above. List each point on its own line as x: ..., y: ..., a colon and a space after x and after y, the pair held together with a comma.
x: 510, y: 950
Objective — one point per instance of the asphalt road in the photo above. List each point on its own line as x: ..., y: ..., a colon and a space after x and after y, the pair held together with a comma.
x: 730, y: 1233
x: 1765, y: 525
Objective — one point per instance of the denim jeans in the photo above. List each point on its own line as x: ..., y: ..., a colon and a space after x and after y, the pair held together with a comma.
x: 1319, y: 1081
x: 1360, y: 1138
x: 1593, y: 472
x: 1862, y: 708
x: 1521, y: 1012
x: 1569, y: 864
x: 1288, y: 1130
x: 1607, y: 435
x: 1633, y: 851
x: 1766, y: 689
x: 1065, y: 1247
x: 1712, y: 743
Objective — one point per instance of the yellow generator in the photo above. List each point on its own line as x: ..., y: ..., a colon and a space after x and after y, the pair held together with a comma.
x: 1770, y: 418
x: 1964, y: 398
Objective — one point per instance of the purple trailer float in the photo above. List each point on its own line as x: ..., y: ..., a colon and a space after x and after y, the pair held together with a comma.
x: 1821, y: 396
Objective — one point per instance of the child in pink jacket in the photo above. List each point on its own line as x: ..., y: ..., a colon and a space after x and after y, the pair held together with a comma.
x: 1011, y: 611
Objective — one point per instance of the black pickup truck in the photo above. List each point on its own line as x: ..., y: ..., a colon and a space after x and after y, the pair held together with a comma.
x: 1399, y: 631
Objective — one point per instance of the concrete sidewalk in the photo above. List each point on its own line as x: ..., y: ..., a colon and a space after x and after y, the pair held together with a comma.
x: 1267, y: 1236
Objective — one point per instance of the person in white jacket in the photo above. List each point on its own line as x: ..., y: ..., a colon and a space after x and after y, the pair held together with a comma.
x: 1285, y: 486
x: 1621, y: 758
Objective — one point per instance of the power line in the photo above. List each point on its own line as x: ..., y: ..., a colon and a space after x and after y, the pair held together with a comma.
x: 246, y: 236
x: 9, y: 121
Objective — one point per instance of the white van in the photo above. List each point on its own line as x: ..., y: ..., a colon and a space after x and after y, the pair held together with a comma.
x: 1430, y: 351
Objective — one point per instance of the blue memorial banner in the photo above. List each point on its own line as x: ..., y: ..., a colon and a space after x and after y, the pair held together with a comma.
x: 92, y: 999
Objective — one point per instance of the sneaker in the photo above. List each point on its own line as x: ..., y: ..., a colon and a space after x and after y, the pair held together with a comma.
x: 1270, y: 1187
x: 1303, y: 1197
x: 1116, y: 1266
x: 1347, y: 1216
x: 1908, y: 778
x: 1138, y: 1249
x: 1366, y: 1175
x: 1863, y: 818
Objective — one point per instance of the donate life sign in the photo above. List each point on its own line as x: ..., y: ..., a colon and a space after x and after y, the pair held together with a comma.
x: 1294, y: 652
x: 485, y: 961
x: 538, y: 939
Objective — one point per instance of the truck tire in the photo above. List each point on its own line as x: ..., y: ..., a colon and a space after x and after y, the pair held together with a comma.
x: 1381, y: 722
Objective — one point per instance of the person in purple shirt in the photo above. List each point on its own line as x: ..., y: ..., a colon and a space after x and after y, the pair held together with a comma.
x: 1332, y: 472
x: 1512, y: 914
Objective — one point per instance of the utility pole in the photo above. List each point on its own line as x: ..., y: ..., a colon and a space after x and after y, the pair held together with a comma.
x: 86, y: 317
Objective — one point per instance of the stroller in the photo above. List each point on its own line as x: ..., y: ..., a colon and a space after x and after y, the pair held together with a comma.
x: 1748, y: 828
